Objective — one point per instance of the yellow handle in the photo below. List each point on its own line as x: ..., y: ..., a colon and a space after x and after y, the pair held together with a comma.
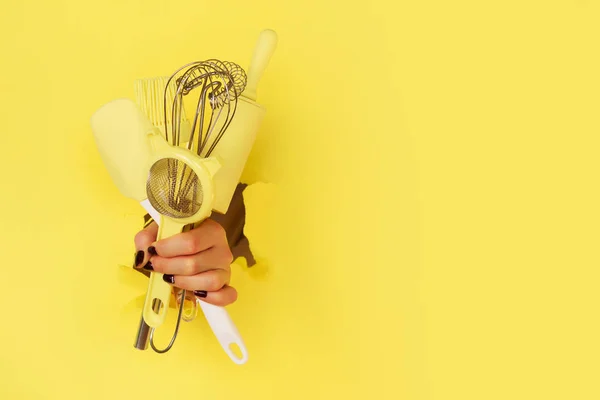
x: 158, y: 289
x: 265, y: 47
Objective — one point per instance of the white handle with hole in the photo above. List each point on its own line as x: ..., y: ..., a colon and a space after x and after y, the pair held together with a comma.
x: 225, y: 331
x: 217, y: 317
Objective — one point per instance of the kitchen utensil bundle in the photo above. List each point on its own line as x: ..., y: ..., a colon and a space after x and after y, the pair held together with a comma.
x: 181, y: 170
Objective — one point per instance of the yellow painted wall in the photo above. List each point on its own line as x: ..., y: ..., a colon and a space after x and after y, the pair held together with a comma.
x: 436, y: 164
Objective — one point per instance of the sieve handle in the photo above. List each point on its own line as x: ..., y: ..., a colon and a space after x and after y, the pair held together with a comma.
x: 158, y: 289
x: 217, y: 317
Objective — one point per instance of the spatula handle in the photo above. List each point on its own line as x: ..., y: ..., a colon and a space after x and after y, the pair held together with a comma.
x: 225, y: 331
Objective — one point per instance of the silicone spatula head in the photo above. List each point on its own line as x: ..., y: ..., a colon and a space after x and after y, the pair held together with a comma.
x: 121, y: 132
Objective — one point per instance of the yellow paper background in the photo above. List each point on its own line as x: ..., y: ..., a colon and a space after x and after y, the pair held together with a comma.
x: 431, y: 227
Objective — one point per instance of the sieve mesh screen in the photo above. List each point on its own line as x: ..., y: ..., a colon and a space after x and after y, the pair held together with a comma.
x: 174, y: 189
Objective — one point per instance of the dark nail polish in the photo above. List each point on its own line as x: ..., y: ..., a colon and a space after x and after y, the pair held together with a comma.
x: 148, y: 266
x: 139, y: 257
x: 200, y: 293
x: 169, y: 278
x: 152, y: 250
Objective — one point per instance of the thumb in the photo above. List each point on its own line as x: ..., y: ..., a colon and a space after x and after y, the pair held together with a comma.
x: 143, y: 239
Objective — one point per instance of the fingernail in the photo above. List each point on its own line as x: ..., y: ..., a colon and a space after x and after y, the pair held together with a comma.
x: 148, y: 266
x: 139, y: 257
x: 200, y: 293
x: 169, y: 278
x: 152, y: 250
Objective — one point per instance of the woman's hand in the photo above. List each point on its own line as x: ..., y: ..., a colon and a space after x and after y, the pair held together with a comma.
x: 198, y: 260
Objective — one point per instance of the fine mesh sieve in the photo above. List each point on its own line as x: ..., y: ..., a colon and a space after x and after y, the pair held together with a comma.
x: 174, y: 189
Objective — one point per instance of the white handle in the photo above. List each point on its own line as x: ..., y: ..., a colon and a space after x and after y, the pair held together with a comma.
x: 225, y: 331
x: 217, y: 317
x: 150, y: 210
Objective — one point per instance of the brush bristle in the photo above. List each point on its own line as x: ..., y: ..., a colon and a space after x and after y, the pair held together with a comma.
x: 149, y: 95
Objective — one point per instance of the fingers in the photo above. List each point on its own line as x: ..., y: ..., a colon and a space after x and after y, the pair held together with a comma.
x: 197, y: 260
x: 143, y: 239
x: 223, y: 297
x: 209, y: 281
x: 202, y: 238
x: 218, y: 257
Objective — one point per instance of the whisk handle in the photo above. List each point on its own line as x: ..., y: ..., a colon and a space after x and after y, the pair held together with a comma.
x: 263, y: 51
